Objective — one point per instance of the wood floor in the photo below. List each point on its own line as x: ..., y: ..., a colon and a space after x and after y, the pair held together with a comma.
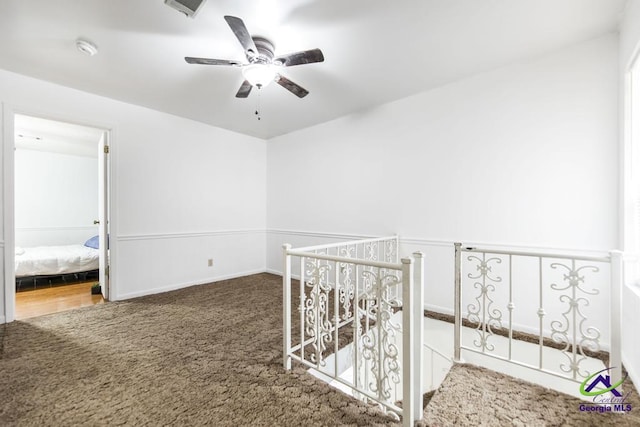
x: 53, y: 300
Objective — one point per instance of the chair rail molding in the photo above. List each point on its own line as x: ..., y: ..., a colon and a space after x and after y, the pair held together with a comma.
x: 186, y: 235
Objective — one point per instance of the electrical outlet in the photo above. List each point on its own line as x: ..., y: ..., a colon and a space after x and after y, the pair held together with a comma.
x: 210, y: 262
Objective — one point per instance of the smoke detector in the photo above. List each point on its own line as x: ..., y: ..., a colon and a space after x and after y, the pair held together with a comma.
x: 86, y: 47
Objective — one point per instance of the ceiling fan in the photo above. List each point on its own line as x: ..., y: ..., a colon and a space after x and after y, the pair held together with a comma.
x: 262, y: 66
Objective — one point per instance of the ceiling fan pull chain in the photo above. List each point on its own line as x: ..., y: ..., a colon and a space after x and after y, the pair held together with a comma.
x: 258, y: 103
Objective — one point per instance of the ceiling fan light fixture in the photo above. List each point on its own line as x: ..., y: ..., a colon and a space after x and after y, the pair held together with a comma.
x: 259, y: 75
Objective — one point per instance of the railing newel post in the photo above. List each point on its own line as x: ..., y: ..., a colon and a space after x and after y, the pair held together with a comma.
x: 457, y: 329
x: 408, y: 326
x: 286, y: 306
x: 615, y: 323
x: 417, y: 307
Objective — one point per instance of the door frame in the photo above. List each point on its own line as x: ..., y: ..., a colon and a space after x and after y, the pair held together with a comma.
x: 8, y: 245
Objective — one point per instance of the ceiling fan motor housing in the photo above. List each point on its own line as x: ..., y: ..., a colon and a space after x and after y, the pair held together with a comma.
x: 265, y: 50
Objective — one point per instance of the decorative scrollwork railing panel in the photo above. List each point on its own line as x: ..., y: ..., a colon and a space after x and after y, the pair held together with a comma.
x: 559, y: 303
x: 575, y: 295
x: 316, y: 308
x: 349, y: 299
x: 379, y: 340
x: 485, y: 299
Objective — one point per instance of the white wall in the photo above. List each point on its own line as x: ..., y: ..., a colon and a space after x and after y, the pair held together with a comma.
x: 200, y: 187
x: 521, y: 155
x: 56, y: 198
x: 629, y: 42
x: 524, y: 155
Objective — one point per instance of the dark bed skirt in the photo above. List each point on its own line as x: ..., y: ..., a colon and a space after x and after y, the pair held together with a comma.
x: 30, y: 283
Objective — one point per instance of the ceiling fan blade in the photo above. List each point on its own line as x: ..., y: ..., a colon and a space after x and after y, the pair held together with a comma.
x: 210, y: 61
x: 245, y: 89
x: 241, y: 32
x: 292, y: 87
x: 299, y: 58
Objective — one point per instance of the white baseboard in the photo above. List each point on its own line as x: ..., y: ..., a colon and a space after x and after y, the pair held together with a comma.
x: 279, y: 273
x: 185, y: 285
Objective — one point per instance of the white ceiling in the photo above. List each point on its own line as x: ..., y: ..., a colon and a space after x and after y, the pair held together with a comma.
x: 375, y: 51
x: 34, y: 133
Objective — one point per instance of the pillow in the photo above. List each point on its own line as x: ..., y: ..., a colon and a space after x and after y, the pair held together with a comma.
x: 93, y: 243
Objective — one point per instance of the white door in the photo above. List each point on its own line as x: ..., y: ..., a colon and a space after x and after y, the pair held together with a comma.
x: 103, y: 212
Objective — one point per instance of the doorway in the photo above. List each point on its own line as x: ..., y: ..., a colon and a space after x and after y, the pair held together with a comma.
x: 61, y: 216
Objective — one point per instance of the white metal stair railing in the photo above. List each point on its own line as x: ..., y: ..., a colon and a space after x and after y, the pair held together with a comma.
x: 348, y: 293
x: 565, y: 288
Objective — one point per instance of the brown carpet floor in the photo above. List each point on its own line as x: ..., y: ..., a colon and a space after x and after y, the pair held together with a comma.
x: 205, y: 355
x: 475, y: 396
x: 211, y: 355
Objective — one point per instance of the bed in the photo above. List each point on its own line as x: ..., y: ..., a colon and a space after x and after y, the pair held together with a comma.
x: 51, y: 265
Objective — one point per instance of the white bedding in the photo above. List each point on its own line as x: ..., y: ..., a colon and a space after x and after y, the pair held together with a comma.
x: 52, y: 260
